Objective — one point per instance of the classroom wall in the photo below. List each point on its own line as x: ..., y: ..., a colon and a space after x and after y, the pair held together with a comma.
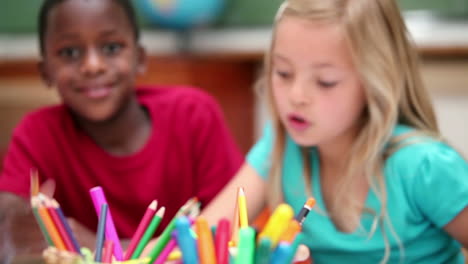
x: 19, y: 16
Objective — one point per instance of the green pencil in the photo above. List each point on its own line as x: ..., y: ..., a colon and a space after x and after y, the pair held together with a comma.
x: 149, y: 233
x: 39, y: 221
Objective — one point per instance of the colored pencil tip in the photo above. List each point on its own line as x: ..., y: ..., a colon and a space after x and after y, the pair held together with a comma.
x: 153, y: 205
x: 241, y: 191
x: 310, y: 202
x: 161, y: 211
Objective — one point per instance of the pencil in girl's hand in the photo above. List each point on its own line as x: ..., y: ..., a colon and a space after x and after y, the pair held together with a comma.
x: 301, y: 216
x: 145, y: 221
x: 148, y: 233
x: 100, y: 237
x: 242, y: 204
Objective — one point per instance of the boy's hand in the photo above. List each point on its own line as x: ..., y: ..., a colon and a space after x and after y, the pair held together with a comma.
x: 85, y: 237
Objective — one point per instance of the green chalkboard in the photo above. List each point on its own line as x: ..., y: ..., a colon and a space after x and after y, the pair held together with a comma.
x: 19, y: 16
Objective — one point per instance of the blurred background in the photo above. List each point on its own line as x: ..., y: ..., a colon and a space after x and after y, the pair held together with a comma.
x: 221, y: 51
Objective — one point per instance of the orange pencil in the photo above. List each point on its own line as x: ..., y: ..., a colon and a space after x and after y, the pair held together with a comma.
x: 206, y: 250
x: 290, y: 234
x: 235, y: 226
x: 51, y: 229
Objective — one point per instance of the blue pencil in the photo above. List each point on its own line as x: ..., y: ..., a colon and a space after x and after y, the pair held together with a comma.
x: 186, y: 241
x: 101, y: 233
x: 281, y: 254
x: 66, y: 225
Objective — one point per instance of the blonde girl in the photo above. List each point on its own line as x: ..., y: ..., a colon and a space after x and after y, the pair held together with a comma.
x: 352, y: 125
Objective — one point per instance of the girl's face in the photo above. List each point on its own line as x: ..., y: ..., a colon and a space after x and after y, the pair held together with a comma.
x: 91, y: 56
x: 316, y: 88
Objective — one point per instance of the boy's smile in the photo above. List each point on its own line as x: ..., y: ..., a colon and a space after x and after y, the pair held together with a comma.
x: 92, y: 57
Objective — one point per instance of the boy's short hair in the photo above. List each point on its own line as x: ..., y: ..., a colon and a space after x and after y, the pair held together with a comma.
x: 48, y: 5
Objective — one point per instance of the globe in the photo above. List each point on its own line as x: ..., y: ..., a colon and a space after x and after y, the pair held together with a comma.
x: 180, y: 14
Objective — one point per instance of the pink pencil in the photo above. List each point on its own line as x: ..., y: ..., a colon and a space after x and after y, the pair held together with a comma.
x: 97, y: 195
x: 166, y: 251
x: 149, y: 214
x: 222, y: 241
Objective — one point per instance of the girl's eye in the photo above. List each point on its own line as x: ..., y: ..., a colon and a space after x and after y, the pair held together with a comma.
x: 69, y: 53
x: 283, y: 74
x: 112, y: 48
x: 327, y: 84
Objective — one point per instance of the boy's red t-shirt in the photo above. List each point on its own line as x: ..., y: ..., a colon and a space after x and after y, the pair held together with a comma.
x: 190, y: 153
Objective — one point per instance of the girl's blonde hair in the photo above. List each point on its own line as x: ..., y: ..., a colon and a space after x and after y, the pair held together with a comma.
x: 388, y: 67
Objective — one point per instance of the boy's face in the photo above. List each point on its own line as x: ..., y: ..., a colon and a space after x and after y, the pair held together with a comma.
x: 91, y: 56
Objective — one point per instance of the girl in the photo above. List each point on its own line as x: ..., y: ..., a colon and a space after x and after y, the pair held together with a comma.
x: 352, y: 125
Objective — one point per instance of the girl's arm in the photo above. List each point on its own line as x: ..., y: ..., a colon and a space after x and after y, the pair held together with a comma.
x: 223, y: 205
x: 457, y: 228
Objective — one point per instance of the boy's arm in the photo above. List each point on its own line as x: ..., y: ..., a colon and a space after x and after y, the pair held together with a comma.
x: 19, y: 232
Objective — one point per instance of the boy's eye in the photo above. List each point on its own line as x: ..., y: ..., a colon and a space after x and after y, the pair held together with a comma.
x: 327, y: 84
x: 69, y: 53
x: 112, y: 48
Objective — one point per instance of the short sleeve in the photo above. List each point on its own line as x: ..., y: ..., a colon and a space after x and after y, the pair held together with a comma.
x: 259, y: 156
x: 441, y: 185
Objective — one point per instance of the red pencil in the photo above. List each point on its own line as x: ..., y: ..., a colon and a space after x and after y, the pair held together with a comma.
x: 108, y: 249
x: 150, y: 211
x: 60, y: 226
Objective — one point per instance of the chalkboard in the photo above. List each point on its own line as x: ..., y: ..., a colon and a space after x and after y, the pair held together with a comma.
x: 19, y: 16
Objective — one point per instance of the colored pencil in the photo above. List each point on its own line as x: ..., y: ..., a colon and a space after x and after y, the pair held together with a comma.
x: 166, y: 234
x: 206, y: 249
x: 185, y: 240
x: 97, y: 195
x: 277, y: 223
x: 145, y: 221
x: 235, y: 225
x: 51, y: 228
x: 222, y: 240
x: 294, y: 246
x: 246, y: 248
x: 108, y: 249
x: 34, y: 203
x: 281, y: 254
x: 290, y: 233
x: 76, y: 246
x: 166, y: 252
x: 243, y: 216
x: 263, y: 251
x: 60, y: 228
x: 100, y: 237
x: 301, y: 216
x: 149, y: 232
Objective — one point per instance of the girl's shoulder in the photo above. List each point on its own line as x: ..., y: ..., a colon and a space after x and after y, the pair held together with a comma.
x: 412, y: 151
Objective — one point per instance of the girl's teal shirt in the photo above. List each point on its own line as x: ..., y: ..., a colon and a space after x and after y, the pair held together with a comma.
x: 427, y: 186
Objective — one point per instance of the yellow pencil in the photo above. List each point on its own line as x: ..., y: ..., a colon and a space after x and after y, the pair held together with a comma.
x: 277, y: 223
x: 243, y: 217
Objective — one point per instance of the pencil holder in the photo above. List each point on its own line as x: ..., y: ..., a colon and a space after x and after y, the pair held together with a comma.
x: 52, y: 255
